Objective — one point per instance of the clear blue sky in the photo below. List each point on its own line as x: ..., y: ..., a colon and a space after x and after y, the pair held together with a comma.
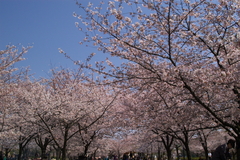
x: 46, y: 25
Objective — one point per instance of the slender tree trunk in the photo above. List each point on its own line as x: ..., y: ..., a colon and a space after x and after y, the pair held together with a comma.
x: 185, y: 142
x: 95, y: 153
x: 159, y: 152
x: 238, y: 148
x: 7, y: 150
x: 64, y: 148
x: 184, y: 154
x: 177, y: 150
x: 58, y: 153
x: 86, y: 147
x: 206, y: 152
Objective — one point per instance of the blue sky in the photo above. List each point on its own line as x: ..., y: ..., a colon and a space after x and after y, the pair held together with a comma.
x: 46, y: 25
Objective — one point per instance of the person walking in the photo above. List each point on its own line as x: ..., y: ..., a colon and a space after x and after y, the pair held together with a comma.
x: 222, y: 151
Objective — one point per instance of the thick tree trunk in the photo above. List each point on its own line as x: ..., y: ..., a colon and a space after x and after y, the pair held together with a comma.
x: 43, y: 153
x: 169, y: 153
x: 188, y: 152
x: 64, y: 153
x: 43, y: 145
x: 86, y: 147
x: 167, y: 142
x: 20, y: 151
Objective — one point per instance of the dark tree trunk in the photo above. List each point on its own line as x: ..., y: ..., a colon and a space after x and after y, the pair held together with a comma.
x: 20, y: 151
x: 167, y: 142
x: 238, y: 148
x: 7, y: 151
x: 43, y: 145
x: 177, y: 150
x: 159, y: 152
x: 23, y: 141
x: 58, y: 153
x: 188, y: 152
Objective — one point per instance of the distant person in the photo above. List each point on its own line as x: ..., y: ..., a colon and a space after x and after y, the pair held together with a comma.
x: 222, y: 151
x: 209, y: 156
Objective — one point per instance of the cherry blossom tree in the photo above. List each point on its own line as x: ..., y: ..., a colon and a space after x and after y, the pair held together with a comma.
x: 207, y: 139
x: 9, y: 75
x: 87, y: 140
x: 43, y: 141
x: 189, y: 47
x: 64, y: 105
x: 27, y: 134
x: 165, y: 117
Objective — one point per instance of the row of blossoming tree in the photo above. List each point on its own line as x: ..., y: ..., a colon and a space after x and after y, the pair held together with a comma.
x: 178, y: 84
x: 73, y: 114
x: 65, y: 111
x: 180, y: 63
